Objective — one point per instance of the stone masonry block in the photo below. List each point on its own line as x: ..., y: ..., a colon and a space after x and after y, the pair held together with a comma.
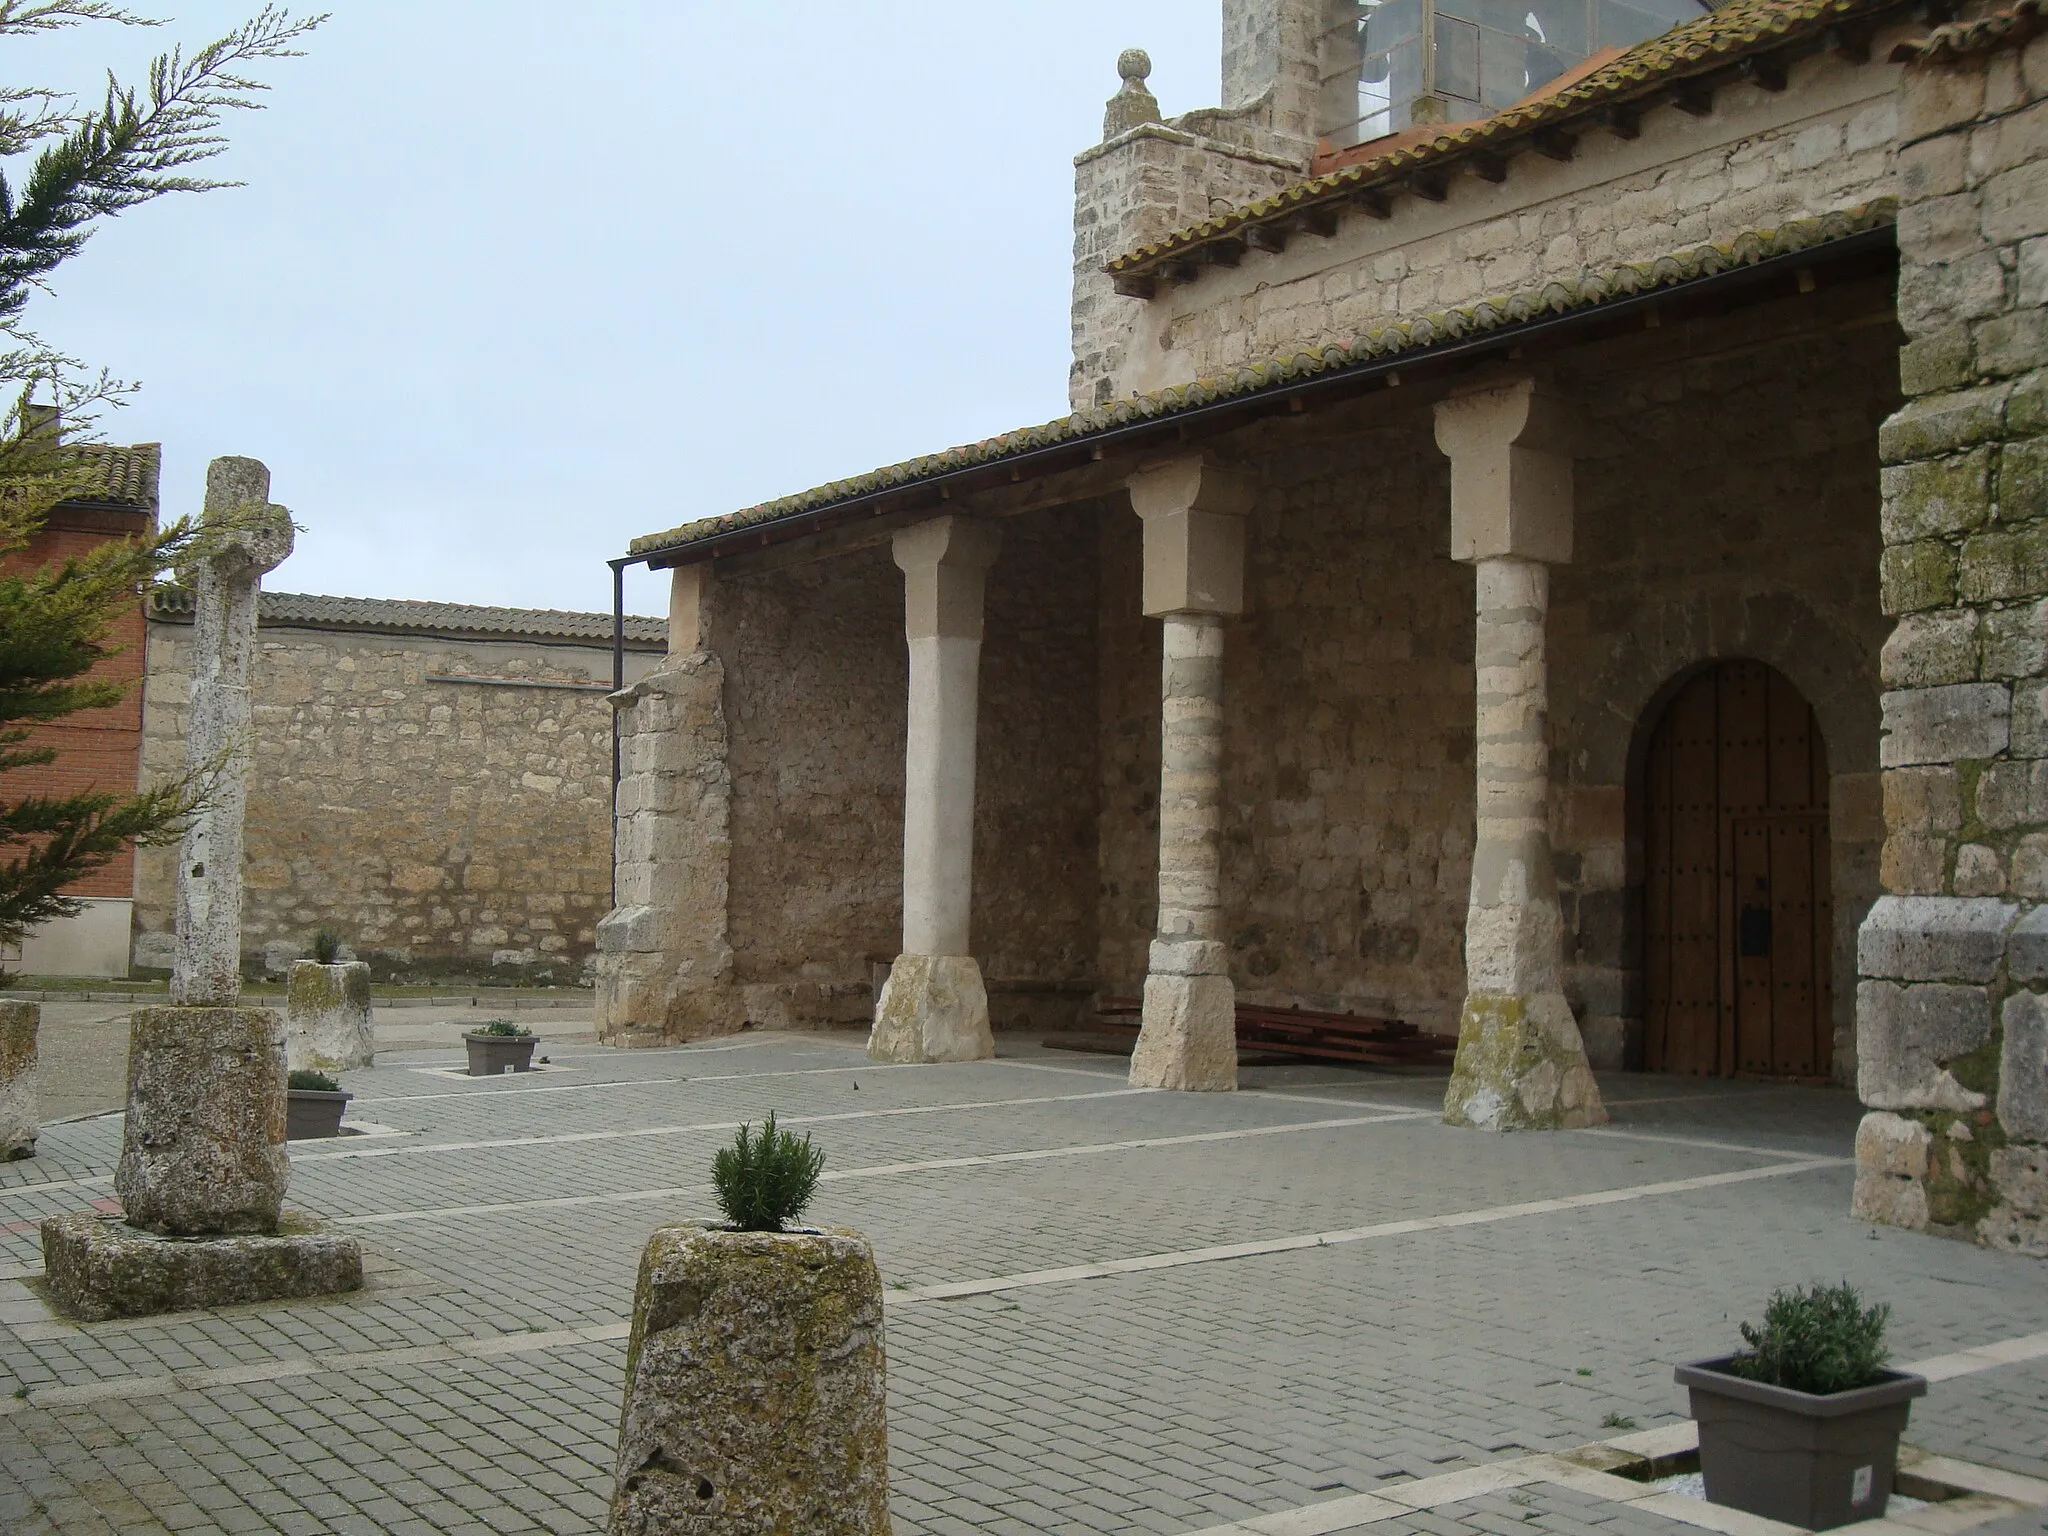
x: 2003, y: 565
x: 1928, y: 649
x: 2016, y: 641
x: 2026, y: 947
x: 2030, y: 866
x: 1905, y: 1035
x: 1934, y: 99
x: 1934, y: 938
x: 2026, y: 409
x: 1954, y: 723
x: 100, y: 1267
x: 1888, y: 1143
x: 1934, y: 425
x: 2016, y: 204
x: 2023, y: 1068
x: 1933, y: 168
x: 1923, y: 799
x: 1935, y: 296
x: 1944, y: 360
x: 1936, y: 496
x: 2013, y: 343
x: 2023, y: 481
x: 2013, y: 794
x: 1917, y: 576
x: 1943, y: 229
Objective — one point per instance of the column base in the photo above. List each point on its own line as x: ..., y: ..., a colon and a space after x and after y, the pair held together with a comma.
x: 1189, y: 1037
x: 933, y: 1008
x: 1521, y: 1066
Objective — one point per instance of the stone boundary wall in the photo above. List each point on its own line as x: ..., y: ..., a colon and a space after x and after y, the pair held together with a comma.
x: 1759, y: 159
x: 1953, y: 1006
x: 444, y: 829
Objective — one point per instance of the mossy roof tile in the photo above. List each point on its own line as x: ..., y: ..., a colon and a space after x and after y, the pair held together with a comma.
x: 1588, y: 291
x: 1722, y: 37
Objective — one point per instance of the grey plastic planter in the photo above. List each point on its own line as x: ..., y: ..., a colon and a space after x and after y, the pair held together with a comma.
x: 310, y: 1113
x: 491, y: 1054
x: 1804, y: 1459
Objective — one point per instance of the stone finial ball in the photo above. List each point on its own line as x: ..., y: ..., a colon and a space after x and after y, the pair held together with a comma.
x: 1134, y: 64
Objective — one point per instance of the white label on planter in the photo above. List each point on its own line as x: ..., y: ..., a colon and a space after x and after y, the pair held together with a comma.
x: 1859, y: 1486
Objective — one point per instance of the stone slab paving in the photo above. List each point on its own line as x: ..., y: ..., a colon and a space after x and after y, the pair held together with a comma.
x: 1170, y: 1313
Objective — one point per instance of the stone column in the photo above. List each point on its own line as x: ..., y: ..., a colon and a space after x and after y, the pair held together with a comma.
x: 934, y: 1006
x: 1194, y: 578
x: 664, y: 953
x: 1520, y: 1064
x: 20, y: 1110
x: 249, y: 536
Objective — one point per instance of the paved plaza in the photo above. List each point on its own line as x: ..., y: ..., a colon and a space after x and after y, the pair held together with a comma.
x: 1304, y: 1307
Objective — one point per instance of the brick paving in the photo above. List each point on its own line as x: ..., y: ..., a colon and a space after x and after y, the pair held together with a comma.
x: 474, y: 1386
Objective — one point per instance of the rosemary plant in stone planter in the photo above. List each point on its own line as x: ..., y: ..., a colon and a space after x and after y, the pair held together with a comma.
x: 499, y: 1045
x: 754, y: 1378
x: 327, y: 1024
x: 1803, y: 1426
x: 314, y: 1103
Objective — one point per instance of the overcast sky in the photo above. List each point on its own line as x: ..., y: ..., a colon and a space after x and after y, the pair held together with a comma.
x: 510, y: 283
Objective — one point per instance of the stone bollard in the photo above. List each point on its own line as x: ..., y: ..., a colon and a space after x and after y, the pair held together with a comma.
x: 18, y: 1108
x: 203, y: 1147
x: 327, y: 1017
x: 754, y: 1387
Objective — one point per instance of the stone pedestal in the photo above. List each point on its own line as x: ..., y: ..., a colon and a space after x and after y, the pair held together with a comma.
x: 19, y: 1111
x: 1521, y: 1064
x: 327, y: 1025
x: 202, y: 1150
x: 1194, y: 576
x: 99, y: 1267
x: 934, y: 1007
x: 754, y: 1388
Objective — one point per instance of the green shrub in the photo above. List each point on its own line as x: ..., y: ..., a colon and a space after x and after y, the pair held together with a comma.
x: 1818, y: 1339
x: 765, y: 1181
x: 312, y: 1082
x: 327, y: 946
x: 504, y: 1027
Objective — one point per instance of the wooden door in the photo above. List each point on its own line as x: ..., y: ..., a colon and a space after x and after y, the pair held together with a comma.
x: 1737, y: 919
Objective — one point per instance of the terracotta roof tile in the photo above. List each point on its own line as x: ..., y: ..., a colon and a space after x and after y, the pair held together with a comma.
x: 127, y: 476
x: 1554, y: 298
x: 396, y: 616
x: 2008, y: 28
x: 1722, y: 37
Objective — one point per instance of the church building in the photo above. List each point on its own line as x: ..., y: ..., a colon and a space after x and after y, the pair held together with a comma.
x: 1550, y: 544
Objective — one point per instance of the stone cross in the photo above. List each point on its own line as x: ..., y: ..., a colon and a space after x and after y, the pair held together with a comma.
x: 243, y: 536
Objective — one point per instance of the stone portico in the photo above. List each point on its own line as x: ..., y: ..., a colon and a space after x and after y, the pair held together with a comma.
x: 1516, y: 584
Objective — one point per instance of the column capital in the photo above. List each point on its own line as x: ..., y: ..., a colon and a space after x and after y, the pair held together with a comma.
x: 1510, y: 442
x: 944, y: 562
x: 1194, y: 511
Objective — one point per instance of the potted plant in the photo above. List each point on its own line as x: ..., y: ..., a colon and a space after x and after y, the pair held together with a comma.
x: 755, y: 1372
x: 499, y: 1045
x: 1804, y: 1425
x: 313, y: 1106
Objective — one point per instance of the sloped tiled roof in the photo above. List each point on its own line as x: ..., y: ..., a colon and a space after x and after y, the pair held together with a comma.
x: 1739, y: 30
x: 395, y: 616
x: 125, y: 477
x: 2008, y: 28
x: 1557, y: 298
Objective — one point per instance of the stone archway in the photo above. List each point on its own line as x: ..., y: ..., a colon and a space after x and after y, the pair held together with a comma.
x: 1737, y: 908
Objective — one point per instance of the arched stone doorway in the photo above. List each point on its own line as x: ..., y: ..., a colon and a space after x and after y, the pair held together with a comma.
x: 1737, y: 910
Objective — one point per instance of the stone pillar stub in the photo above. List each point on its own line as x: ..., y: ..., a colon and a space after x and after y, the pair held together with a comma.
x: 327, y: 1017
x: 1194, y: 512
x: 934, y: 1006
x: 1521, y: 1063
x: 20, y: 1109
x: 242, y: 536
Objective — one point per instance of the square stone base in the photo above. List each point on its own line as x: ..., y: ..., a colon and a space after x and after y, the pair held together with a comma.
x: 99, y: 1267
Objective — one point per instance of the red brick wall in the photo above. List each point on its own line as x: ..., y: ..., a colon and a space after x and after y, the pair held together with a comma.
x: 97, y: 748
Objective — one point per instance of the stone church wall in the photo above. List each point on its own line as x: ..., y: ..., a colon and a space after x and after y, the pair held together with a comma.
x: 815, y: 700
x: 443, y: 828
x: 1758, y: 160
x: 1727, y: 508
